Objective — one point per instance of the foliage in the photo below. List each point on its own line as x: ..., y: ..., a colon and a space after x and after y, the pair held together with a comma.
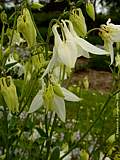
x: 41, y: 116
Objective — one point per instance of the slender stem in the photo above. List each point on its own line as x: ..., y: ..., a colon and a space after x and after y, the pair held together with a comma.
x: 63, y: 74
x: 36, y: 27
x: 2, y: 39
x: 6, y: 133
x: 46, y: 125
x: 53, y: 125
x: 94, y: 29
x: 14, y: 24
x: 49, y: 34
x: 48, y: 144
x: 27, y: 95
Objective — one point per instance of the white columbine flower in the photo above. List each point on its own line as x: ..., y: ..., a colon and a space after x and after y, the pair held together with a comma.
x: 83, y: 46
x: 113, y: 30
x: 53, y: 99
x: 110, y: 33
x: 67, y: 49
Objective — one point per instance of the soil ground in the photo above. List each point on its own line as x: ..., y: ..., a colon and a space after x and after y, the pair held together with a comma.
x: 98, y: 80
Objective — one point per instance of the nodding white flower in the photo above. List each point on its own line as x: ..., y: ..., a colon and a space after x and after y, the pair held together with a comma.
x: 65, y: 49
x: 110, y: 33
x: 53, y: 98
x: 112, y: 30
x: 73, y: 46
x: 83, y: 46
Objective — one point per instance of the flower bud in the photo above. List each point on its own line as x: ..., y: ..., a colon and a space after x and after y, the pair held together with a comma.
x: 117, y: 60
x: 9, y: 93
x: 111, y: 139
x: 36, y: 5
x: 26, y: 27
x: 57, y: 90
x: 86, y: 82
x: 84, y: 155
x: 90, y: 10
x: 78, y: 21
x: 48, y: 97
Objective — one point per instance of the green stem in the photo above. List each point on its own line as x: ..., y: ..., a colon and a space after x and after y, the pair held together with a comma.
x: 94, y: 29
x: 2, y: 39
x: 14, y: 24
x: 27, y: 95
x: 36, y: 27
x: 7, y: 53
x: 46, y: 124
x: 6, y: 133
x: 48, y: 143
x: 63, y: 74
x: 49, y: 34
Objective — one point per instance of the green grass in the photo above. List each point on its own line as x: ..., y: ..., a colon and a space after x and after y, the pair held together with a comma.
x: 86, y: 112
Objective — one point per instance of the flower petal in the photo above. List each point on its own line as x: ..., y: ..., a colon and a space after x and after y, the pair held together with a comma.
x: 69, y: 96
x: 50, y: 65
x: 58, y: 40
x: 90, y: 48
x: 84, y: 44
x: 37, y: 102
x: 66, y: 50
x: 82, y: 52
x: 59, y: 107
x: 67, y: 55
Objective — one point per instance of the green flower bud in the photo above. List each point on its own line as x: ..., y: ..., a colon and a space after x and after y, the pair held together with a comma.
x: 78, y: 21
x: 90, y: 10
x: 26, y: 27
x: 57, y: 90
x: 86, y: 82
x: 8, y: 91
x: 36, y: 5
x: 48, y: 97
x: 111, y: 139
x: 84, y: 155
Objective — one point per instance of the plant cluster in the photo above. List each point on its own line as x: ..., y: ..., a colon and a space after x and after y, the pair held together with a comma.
x: 33, y: 92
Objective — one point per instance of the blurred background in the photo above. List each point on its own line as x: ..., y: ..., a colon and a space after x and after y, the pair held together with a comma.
x: 104, y: 9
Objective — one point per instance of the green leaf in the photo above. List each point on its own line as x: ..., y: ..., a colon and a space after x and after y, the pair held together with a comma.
x: 36, y: 103
x: 55, y: 153
x: 9, y: 65
x: 59, y: 107
x: 69, y: 96
x: 41, y: 132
